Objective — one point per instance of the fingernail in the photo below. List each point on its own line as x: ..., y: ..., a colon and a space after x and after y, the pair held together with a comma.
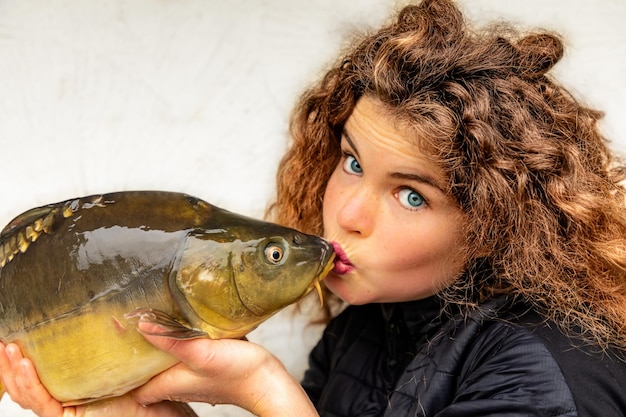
x: 150, y: 327
x: 10, y: 352
x: 69, y: 412
x: 23, y: 365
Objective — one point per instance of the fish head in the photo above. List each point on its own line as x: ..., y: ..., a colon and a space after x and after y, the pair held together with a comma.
x: 273, y: 272
x: 229, y: 280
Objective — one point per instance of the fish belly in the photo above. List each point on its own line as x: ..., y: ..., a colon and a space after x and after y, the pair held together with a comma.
x: 92, y: 355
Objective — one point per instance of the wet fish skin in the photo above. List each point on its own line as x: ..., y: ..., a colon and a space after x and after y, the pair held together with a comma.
x: 74, y: 272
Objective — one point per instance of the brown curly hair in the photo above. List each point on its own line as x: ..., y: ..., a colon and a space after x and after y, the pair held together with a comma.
x: 524, y: 159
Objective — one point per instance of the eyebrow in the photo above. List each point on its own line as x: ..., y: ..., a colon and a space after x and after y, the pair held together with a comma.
x: 418, y: 178
x: 352, y: 145
x: 399, y: 175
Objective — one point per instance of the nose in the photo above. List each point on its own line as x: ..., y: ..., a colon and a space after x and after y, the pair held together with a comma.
x: 357, y: 212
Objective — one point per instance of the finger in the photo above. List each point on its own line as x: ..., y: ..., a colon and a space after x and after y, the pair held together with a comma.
x: 178, y: 383
x: 10, y: 371
x: 193, y: 352
x: 212, y: 371
x: 151, y: 332
x: 126, y: 406
x: 6, y: 371
x: 41, y: 402
x: 122, y: 406
x: 27, y: 390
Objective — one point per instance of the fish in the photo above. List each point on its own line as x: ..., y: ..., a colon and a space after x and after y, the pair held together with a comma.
x: 76, y: 276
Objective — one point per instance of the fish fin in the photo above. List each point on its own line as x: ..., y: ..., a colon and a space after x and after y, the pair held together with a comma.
x: 1, y: 391
x: 44, y: 218
x: 172, y: 327
x: 27, y: 217
x: 17, y: 236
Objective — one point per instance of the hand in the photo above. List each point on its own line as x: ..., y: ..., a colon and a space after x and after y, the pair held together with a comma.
x: 21, y: 382
x: 224, y: 371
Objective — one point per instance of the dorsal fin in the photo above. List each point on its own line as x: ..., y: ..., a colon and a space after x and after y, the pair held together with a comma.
x: 17, y: 236
x: 26, y: 218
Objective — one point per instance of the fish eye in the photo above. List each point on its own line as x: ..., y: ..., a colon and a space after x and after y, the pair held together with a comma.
x: 410, y: 199
x: 274, y: 253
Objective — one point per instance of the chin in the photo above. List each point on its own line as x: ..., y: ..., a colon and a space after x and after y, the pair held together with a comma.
x: 347, y: 293
x: 336, y: 285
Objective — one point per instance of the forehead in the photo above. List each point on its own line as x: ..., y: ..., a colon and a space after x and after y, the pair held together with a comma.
x: 377, y: 123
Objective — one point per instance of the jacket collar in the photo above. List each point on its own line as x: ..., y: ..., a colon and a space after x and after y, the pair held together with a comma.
x: 421, y: 318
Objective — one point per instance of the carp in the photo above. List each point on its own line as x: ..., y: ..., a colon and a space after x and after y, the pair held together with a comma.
x: 76, y: 275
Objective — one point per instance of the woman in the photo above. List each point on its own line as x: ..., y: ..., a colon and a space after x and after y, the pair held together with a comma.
x: 479, y: 223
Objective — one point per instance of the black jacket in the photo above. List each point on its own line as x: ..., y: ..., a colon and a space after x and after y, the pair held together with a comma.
x: 407, y: 359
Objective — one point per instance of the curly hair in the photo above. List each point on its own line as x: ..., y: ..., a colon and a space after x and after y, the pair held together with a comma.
x: 524, y: 160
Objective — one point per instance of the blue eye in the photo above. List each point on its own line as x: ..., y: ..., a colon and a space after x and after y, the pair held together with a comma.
x: 351, y: 165
x: 410, y: 199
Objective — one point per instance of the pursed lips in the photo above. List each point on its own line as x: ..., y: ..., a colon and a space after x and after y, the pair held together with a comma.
x: 342, y: 262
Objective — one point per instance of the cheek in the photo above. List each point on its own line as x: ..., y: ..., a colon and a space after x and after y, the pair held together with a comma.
x: 331, y: 199
x: 433, y: 247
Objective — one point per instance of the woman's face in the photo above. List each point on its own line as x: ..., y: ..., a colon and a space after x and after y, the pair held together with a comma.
x: 397, y: 234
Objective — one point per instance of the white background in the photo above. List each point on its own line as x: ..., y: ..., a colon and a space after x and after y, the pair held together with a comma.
x: 194, y: 96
